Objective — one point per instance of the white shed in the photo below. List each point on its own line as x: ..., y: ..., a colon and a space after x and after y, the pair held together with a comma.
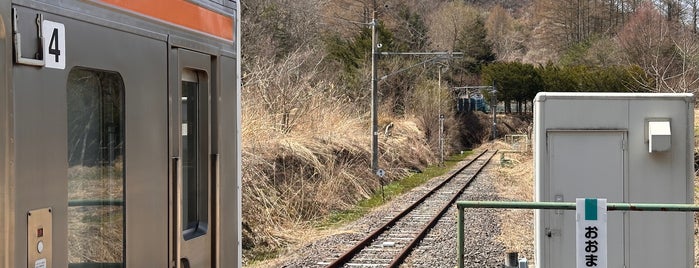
x: 625, y: 147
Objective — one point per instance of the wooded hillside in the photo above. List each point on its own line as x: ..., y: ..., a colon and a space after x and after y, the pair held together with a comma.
x: 307, y: 73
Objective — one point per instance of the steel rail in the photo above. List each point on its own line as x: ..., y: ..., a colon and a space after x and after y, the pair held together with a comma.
x: 406, y: 251
x: 368, y: 239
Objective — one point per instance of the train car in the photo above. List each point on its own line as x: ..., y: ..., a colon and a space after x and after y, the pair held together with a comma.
x: 476, y: 102
x: 119, y: 130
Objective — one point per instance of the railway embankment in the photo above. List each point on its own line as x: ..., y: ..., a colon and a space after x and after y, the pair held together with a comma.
x: 491, y: 233
x: 485, y: 244
x: 293, y: 181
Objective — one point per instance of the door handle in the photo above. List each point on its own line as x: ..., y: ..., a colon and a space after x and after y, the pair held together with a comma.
x: 215, y: 168
x: 552, y: 232
x: 176, y: 200
x: 184, y: 263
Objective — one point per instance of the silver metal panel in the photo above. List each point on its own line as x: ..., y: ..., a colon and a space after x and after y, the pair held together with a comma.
x: 41, y: 131
x: 91, y: 13
x: 608, y: 114
x: 198, y: 251
x: 230, y: 181
x: 191, y: 44
x: 6, y: 178
x: 234, y: 188
x: 39, y: 235
x: 134, y: 47
x: 40, y: 141
x: 661, y: 177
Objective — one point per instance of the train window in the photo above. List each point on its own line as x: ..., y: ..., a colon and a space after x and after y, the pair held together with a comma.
x: 95, y: 168
x: 194, y: 132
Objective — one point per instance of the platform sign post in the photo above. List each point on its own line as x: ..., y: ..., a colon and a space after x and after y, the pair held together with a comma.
x: 591, y: 232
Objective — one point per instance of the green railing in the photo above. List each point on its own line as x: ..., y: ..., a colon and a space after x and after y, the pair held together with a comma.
x: 95, y: 202
x: 95, y: 265
x: 461, y: 205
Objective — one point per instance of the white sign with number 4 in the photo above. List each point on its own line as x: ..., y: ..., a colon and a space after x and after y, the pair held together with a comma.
x: 54, y: 34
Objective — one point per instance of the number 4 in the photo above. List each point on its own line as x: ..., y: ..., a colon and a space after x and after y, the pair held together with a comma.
x: 56, y: 45
x: 53, y: 45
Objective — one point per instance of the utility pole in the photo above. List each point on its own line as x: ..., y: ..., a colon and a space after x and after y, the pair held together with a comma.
x: 441, y: 140
x: 441, y: 117
x: 495, y: 107
x: 374, y: 96
x: 374, y: 84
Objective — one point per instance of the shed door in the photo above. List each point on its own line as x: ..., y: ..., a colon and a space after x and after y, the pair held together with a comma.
x: 585, y: 164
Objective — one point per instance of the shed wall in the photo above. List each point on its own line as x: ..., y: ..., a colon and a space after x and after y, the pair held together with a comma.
x: 659, y: 177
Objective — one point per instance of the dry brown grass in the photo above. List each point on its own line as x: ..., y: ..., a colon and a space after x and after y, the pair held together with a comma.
x: 516, y: 183
x: 295, y: 176
x: 95, y: 233
x: 306, y: 146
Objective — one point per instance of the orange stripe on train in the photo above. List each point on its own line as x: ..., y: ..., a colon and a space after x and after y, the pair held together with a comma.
x: 182, y: 13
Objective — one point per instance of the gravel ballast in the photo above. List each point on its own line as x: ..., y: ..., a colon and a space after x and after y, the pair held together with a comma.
x: 438, y: 249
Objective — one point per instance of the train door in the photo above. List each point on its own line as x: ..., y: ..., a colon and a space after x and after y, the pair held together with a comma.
x: 90, y: 138
x: 194, y: 153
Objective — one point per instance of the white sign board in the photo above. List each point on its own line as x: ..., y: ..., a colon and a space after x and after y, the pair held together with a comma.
x: 380, y: 173
x: 591, y: 232
x: 40, y: 263
x: 54, y: 34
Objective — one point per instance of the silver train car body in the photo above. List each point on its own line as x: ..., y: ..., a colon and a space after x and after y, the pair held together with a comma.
x: 119, y: 133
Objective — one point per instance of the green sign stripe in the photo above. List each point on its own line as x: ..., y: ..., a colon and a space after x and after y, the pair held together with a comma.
x: 590, y: 209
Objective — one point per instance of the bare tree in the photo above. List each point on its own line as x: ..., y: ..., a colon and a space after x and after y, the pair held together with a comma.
x: 565, y: 23
x: 673, y: 10
x: 666, y: 50
x: 508, y: 43
x: 687, y: 46
x: 285, y: 87
x: 275, y: 28
x: 448, y: 23
x: 693, y: 13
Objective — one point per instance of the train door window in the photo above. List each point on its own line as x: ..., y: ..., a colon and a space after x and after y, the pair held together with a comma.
x: 194, y: 116
x: 95, y: 168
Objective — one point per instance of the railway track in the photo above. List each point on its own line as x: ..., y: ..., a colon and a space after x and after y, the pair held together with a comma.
x: 391, y: 243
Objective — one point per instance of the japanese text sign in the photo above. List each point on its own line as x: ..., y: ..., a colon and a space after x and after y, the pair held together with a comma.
x: 591, y: 232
